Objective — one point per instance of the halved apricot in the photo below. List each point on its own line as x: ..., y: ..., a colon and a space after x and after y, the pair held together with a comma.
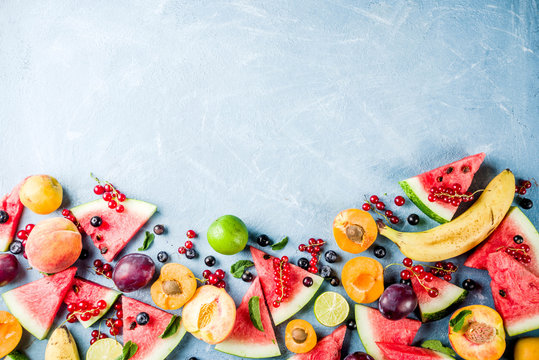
x: 10, y: 333
x: 300, y: 336
x: 363, y: 279
x: 174, y: 287
x: 354, y: 230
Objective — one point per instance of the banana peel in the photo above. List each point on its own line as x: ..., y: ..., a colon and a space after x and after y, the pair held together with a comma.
x: 61, y: 346
x: 463, y: 233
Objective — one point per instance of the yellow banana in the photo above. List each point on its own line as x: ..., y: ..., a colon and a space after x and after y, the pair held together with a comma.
x: 61, y: 346
x: 463, y: 233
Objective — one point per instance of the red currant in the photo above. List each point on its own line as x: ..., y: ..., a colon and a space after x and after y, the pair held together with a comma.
x: 447, y: 277
x: 220, y: 274
x: 109, y: 322
x: 118, y: 306
x: 205, y: 274
x: 457, y: 187
x: 98, y: 263
x: 433, y: 292
x: 112, y: 204
x: 221, y: 284
x: 380, y: 206
x: 399, y: 200
x: 313, y: 269
x: 108, y: 274
x: 114, y: 331
x: 21, y: 234
x: 191, y: 234
x: 95, y: 333
x: 82, y: 305
x: 312, y: 241
x: 98, y: 189
x: 374, y: 199
x: 92, y: 341
x: 418, y: 269
x: 71, y: 318
x: 527, y: 184
x: 522, y: 191
x: 66, y: 212
x: 102, y: 336
x: 96, y: 312
x: 284, y: 259
x: 118, y: 323
x: 432, y: 198
x: 119, y: 313
x: 366, y: 206
x: 85, y: 316
x: 107, y: 196
x: 107, y: 267
x: 428, y: 277
x: 107, y: 187
x: 276, y: 303
x: 389, y: 213
x: 71, y: 308
x: 29, y: 228
x: 181, y: 250
x: 120, y: 208
x: 188, y: 244
x: 121, y: 197
x: 316, y: 249
x: 213, y: 279
x: 102, y: 304
x: 525, y: 247
x: 394, y: 220
x: 301, y: 247
x: 405, y: 274
x: 407, y: 262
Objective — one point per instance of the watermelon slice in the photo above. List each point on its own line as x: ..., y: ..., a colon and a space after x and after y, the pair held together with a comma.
x: 373, y: 327
x: 299, y: 295
x: 403, y: 352
x: 449, y: 296
x: 12, y: 205
x: 35, y: 304
x: 90, y: 293
x: 516, y: 293
x: 150, y: 345
x: 328, y: 348
x: 514, y: 223
x: 117, y: 228
x: 459, y: 172
x: 245, y: 340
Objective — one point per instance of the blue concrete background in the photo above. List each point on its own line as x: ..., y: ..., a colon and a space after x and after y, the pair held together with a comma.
x: 280, y: 112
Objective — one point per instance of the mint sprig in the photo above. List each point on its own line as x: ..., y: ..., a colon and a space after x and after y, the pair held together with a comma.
x: 148, y: 240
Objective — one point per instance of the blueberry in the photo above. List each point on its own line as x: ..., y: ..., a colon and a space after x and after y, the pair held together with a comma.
x: 143, y: 318
x: 331, y: 256
x: 379, y: 251
x: 406, y: 282
x: 351, y: 324
x: 83, y: 254
x: 413, y: 219
x: 96, y: 221
x: 335, y: 282
x: 262, y: 240
x: 209, y: 260
x: 326, y: 272
x: 162, y: 256
x: 4, y: 217
x: 303, y: 263
x: 247, y: 276
x: 16, y: 247
x: 307, y: 281
x: 158, y: 229
x: 526, y: 204
x: 190, y: 253
x: 518, y: 239
x: 468, y: 284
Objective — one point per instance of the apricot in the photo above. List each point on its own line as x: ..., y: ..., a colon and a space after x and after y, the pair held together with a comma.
x: 481, y: 336
x: 527, y: 349
x: 53, y: 245
x: 41, y: 193
x: 354, y: 230
x: 10, y: 333
x: 175, y: 286
x: 210, y: 314
x: 300, y: 336
x: 363, y: 279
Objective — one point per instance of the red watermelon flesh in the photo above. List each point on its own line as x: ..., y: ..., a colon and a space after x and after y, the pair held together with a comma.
x: 299, y: 294
x: 11, y: 204
x: 117, y: 228
x: 35, y: 304
x: 150, y: 345
x: 404, y: 352
x: 90, y: 293
x: 514, y: 223
x: 245, y: 340
x: 460, y: 172
x: 516, y: 293
x: 328, y: 348
x: 373, y: 327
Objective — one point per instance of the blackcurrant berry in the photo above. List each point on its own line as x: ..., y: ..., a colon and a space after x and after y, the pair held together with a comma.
x: 247, y: 276
x: 379, y: 251
x: 158, y: 229
x: 143, y: 318
x: 331, y: 256
x: 518, y: 239
x: 303, y: 263
x: 190, y: 253
x: 4, y: 217
x: 96, y: 221
x: 307, y: 281
x: 351, y: 324
x: 209, y: 260
x: 83, y: 254
x: 468, y: 284
x: 526, y: 203
x: 262, y: 240
x: 406, y: 282
x: 413, y: 219
x: 326, y: 272
x: 335, y: 282
x: 193, y: 358
x: 16, y: 247
x: 162, y: 256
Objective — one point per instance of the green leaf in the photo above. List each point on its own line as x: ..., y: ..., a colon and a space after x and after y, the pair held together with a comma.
x: 281, y: 244
x: 172, y: 327
x: 148, y: 240
x: 254, y: 313
x: 129, y: 350
x: 458, y: 321
x: 238, y: 268
x: 437, y: 345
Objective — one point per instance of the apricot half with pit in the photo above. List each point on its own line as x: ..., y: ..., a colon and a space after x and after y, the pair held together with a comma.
x: 210, y: 314
x: 354, y: 230
x: 476, y: 333
x: 10, y: 333
x: 175, y: 286
x: 300, y: 336
x: 363, y: 279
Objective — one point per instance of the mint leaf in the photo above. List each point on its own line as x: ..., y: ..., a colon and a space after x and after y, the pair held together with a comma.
x: 281, y: 244
x: 129, y: 350
x: 148, y: 240
x: 437, y: 345
x: 458, y: 321
x: 254, y: 313
x: 238, y: 268
x: 172, y: 327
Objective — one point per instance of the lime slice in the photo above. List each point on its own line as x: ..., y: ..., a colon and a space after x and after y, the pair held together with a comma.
x: 104, y: 349
x: 331, y: 308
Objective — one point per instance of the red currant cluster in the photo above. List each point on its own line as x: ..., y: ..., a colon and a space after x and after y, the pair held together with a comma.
x: 314, y: 248
x: 66, y: 213
x: 104, y: 269
x: 523, y: 185
x: 191, y: 234
x: 216, y: 279
x: 281, y: 272
x: 110, y: 194
x: 115, y: 325
x: 451, y: 195
x: 439, y: 269
x: 84, y: 310
x: 97, y: 335
x: 443, y: 269
x: 520, y: 253
x: 23, y: 236
x: 375, y: 203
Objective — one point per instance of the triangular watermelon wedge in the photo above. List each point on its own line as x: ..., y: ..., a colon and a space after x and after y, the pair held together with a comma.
x: 459, y: 172
x: 373, y: 327
x: 147, y: 337
x: 245, y: 340
x: 90, y: 293
x: 328, y: 348
x: 403, y: 352
x: 117, y: 228
x: 514, y: 223
x: 35, y: 304
x: 12, y: 205
x: 516, y: 293
x: 432, y: 309
x: 299, y: 295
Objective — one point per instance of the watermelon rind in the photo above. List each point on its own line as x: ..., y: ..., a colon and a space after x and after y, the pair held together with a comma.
x: 16, y: 355
x: 404, y: 352
x: 256, y: 351
x: 302, y: 297
x: 366, y: 333
x: 168, y: 345
x: 449, y: 297
x: 414, y: 190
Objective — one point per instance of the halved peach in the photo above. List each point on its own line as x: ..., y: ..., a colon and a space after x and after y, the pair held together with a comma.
x: 481, y: 336
x: 363, y: 279
x: 210, y: 314
x: 175, y: 286
x: 354, y: 230
x: 300, y: 336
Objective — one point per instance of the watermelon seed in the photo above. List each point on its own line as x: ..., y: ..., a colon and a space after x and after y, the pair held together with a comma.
x: 4, y: 217
x: 502, y: 293
x: 104, y: 250
x: 466, y: 169
x: 132, y: 326
x: 99, y: 237
x: 75, y: 289
x: 449, y: 170
x: 440, y: 178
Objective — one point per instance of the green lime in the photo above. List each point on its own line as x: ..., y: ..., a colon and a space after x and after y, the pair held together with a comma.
x: 104, y: 349
x: 331, y: 308
x: 228, y: 235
